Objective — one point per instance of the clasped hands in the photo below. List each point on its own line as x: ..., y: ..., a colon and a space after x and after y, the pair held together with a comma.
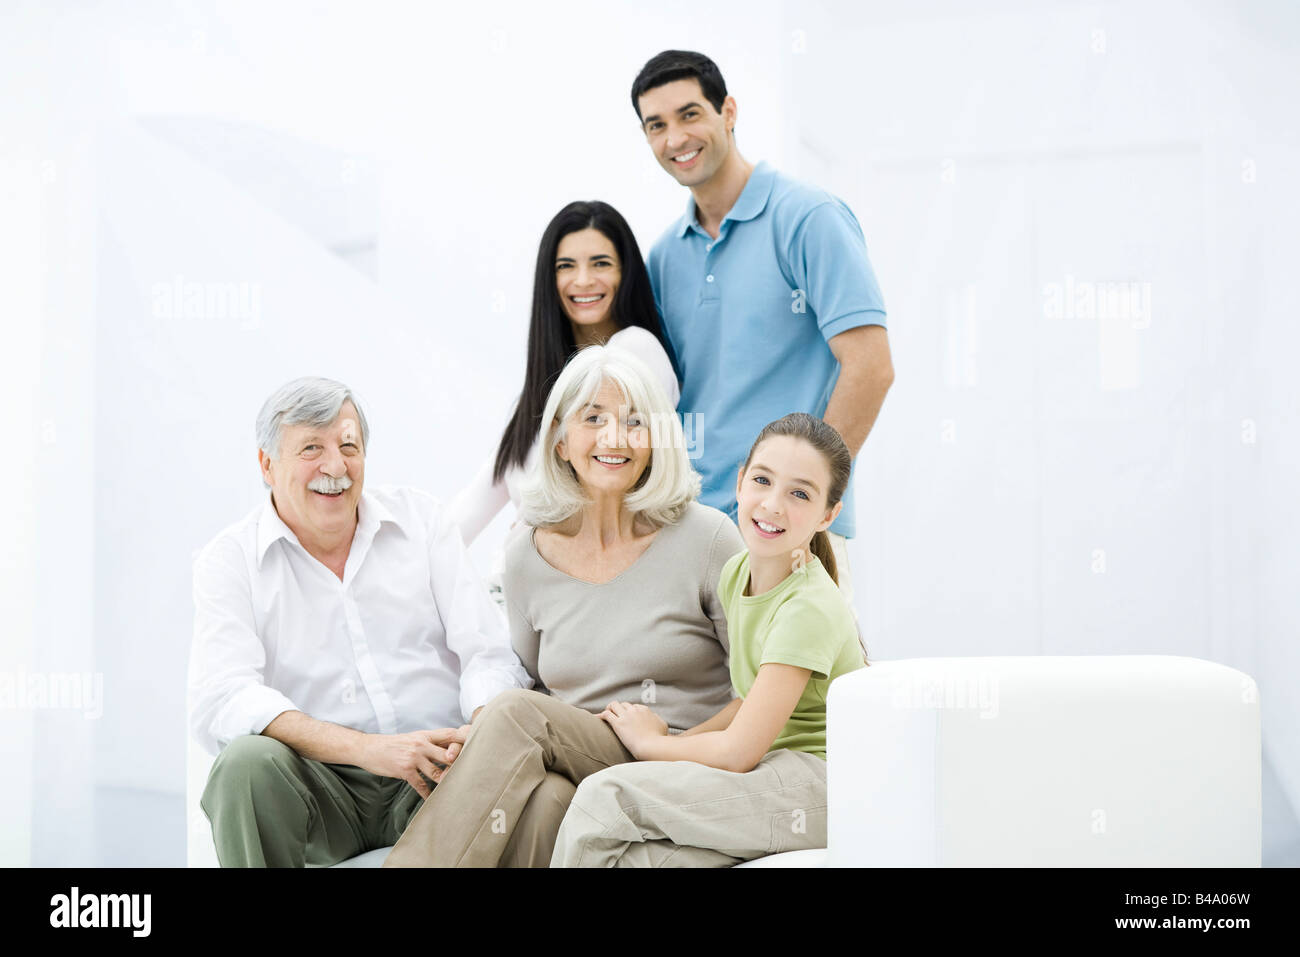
x: 635, y: 724
x: 415, y: 755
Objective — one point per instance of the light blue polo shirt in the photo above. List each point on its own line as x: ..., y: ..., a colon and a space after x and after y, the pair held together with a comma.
x: 748, y: 317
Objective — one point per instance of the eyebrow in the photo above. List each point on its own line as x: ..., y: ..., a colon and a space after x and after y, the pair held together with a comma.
x: 570, y: 259
x: 679, y: 110
x: 631, y: 410
x: 313, y: 437
x: 811, y: 484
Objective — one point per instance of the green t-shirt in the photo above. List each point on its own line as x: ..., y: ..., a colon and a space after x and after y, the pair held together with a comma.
x: 805, y: 622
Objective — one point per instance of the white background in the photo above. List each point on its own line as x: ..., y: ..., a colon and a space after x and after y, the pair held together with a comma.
x: 377, y: 178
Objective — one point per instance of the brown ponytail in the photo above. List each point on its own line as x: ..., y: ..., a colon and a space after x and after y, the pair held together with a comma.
x: 821, y: 547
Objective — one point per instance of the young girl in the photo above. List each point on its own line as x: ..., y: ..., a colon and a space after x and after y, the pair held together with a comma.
x: 751, y: 780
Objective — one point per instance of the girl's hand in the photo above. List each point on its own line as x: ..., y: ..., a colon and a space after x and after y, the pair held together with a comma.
x: 635, y: 724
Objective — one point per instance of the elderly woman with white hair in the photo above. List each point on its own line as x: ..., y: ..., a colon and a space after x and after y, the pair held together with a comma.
x: 611, y: 594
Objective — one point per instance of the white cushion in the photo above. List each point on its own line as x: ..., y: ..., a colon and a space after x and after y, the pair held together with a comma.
x: 373, y: 858
x: 1114, y: 761
x: 814, y: 857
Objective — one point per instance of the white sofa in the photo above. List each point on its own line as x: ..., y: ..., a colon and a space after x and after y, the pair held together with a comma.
x: 1120, y: 761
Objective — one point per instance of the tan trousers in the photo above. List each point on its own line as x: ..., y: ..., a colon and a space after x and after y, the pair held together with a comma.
x: 683, y: 814
x: 501, y: 802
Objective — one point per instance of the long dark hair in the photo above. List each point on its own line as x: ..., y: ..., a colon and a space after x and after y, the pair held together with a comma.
x: 839, y: 462
x: 550, y: 332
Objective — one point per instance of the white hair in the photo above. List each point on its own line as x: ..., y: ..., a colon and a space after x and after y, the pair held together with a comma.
x: 307, y: 401
x: 550, y: 493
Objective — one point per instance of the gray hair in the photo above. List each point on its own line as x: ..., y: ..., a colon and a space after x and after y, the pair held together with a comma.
x: 310, y: 400
x: 550, y: 493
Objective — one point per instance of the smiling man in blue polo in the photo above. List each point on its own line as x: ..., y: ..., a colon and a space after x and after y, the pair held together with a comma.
x: 767, y: 296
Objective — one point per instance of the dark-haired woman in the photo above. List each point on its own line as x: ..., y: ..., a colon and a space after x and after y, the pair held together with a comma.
x: 590, y: 288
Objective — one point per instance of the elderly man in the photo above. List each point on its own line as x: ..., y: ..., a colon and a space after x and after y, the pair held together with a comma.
x: 340, y: 637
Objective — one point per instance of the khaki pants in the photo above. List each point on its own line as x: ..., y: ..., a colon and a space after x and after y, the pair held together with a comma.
x: 683, y: 814
x: 501, y: 802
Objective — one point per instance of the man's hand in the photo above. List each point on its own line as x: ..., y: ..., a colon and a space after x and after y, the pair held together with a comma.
x: 410, y: 755
x: 634, y: 724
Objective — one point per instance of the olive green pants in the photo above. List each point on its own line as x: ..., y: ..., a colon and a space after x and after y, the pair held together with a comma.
x: 271, y: 807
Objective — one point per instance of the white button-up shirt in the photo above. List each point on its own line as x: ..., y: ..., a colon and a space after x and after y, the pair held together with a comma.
x: 407, y: 640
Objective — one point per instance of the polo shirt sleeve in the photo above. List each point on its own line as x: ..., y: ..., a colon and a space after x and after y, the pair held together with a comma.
x: 803, y: 634
x: 828, y: 260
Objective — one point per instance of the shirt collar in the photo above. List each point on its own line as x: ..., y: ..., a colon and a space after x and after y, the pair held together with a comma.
x: 371, y: 513
x: 752, y: 200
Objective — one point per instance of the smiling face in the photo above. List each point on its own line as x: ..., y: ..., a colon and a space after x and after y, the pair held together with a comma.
x: 690, y: 139
x: 317, y: 476
x: 607, y: 443
x: 587, y: 274
x: 781, y: 497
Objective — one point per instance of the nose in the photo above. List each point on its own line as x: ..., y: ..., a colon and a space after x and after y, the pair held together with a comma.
x: 608, y: 435
x: 333, y: 463
x: 771, y: 503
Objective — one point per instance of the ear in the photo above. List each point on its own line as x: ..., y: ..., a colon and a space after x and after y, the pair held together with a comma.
x: 740, y: 479
x: 264, y: 463
x: 830, y: 517
x: 729, y: 112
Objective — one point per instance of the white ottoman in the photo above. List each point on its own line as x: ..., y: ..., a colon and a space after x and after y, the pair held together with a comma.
x: 1124, y: 761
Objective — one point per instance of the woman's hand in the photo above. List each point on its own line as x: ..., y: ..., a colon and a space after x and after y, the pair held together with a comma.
x: 635, y: 724
x: 454, y: 749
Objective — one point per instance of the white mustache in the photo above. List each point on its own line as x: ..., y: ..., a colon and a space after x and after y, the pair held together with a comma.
x: 325, y: 483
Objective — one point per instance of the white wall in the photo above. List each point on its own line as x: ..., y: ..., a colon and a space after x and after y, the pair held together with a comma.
x: 376, y: 178
x: 1043, y: 482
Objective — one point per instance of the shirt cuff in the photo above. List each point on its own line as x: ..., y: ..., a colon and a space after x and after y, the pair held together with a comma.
x: 864, y: 317
x: 249, y: 711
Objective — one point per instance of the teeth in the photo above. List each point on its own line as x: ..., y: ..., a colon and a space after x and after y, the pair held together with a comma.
x: 686, y: 157
x: 766, y: 527
x: 610, y: 459
x: 588, y: 298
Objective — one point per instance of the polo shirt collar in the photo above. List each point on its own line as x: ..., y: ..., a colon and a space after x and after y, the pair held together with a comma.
x: 371, y: 513
x: 752, y: 200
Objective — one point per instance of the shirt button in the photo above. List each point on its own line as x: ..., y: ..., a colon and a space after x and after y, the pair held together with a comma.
x: 708, y: 279
x: 709, y: 246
